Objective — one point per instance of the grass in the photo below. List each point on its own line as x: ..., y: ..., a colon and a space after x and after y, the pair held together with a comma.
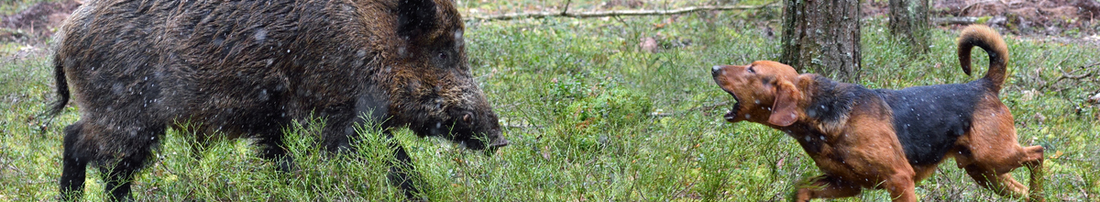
x: 577, y: 97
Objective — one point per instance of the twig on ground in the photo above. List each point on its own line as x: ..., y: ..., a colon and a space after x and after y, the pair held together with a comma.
x: 1067, y: 75
x: 1090, y: 65
x: 955, y: 20
x: 613, y: 13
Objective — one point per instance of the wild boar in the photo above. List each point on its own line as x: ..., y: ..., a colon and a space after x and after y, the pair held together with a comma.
x: 249, y: 69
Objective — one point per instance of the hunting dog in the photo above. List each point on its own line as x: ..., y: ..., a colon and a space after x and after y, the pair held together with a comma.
x: 890, y: 139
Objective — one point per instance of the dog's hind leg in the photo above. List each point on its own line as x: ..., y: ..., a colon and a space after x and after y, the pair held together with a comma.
x: 1001, y: 183
x: 1035, y: 166
x: 994, y: 174
x: 989, y: 152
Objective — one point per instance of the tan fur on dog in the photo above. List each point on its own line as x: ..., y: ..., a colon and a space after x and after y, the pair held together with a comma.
x: 890, y: 139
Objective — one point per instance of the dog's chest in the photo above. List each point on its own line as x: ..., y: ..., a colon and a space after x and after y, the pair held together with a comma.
x: 820, y: 146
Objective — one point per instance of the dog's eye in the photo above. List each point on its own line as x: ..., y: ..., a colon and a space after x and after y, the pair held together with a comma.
x: 751, y: 70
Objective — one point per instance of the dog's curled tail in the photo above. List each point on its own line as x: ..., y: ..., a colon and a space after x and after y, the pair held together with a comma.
x: 994, y: 45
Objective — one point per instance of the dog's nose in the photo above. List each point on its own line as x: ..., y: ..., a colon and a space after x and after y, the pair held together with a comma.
x: 716, y: 70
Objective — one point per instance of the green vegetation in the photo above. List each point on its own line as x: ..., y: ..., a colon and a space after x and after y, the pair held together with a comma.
x: 12, y: 7
x: 591, y: 116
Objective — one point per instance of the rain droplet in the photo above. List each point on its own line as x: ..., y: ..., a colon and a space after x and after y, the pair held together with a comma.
x: 260, y: 35
x: 263, y: 95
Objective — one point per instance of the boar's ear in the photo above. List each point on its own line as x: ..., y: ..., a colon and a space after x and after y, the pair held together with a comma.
x: 415, y: 17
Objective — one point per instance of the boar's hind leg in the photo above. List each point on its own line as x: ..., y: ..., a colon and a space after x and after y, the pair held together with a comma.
x: 118, y: 149
x: 134, y: 143
x: 402, y: 173
x: 73, y: 165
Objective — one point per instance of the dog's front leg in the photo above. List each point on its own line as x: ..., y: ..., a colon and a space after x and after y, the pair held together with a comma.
x: 901, y: 187
x: 824, y: 186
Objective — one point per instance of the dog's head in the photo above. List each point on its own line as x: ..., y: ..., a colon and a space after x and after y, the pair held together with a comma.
x: 765, y: 91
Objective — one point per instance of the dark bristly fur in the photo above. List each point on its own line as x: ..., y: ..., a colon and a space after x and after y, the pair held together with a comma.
x: 252, y: 68
x: 890, y: 139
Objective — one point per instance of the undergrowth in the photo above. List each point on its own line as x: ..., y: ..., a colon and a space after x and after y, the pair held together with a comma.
x: 591, y: 116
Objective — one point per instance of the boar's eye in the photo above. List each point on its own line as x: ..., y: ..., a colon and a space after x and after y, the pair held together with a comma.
x: 443, y: 55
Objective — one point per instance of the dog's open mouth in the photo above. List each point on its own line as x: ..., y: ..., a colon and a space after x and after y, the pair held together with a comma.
x: 732, y: 114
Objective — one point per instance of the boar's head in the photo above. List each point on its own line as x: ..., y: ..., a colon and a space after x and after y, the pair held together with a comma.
x: 431, y: 87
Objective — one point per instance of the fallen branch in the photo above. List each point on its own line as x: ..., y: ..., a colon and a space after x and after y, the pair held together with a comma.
x: 1063, y: 77
x: 1067, y: 75
x: 1090, y: 65
x: 614, y: 13
x: 955, y: 20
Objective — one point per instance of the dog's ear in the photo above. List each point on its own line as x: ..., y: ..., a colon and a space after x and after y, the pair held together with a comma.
x: 784, y: 110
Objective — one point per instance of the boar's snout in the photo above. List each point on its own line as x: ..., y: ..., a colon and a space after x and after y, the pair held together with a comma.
x: 498, y: 142
x: 479, y: 131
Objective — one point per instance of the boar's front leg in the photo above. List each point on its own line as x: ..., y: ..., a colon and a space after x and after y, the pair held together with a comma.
x: 402, y: 173
x: 274, y: 149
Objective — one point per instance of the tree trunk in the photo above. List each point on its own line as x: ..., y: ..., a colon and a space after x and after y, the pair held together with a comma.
x: 822, y: 36
x: 909, y: 23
